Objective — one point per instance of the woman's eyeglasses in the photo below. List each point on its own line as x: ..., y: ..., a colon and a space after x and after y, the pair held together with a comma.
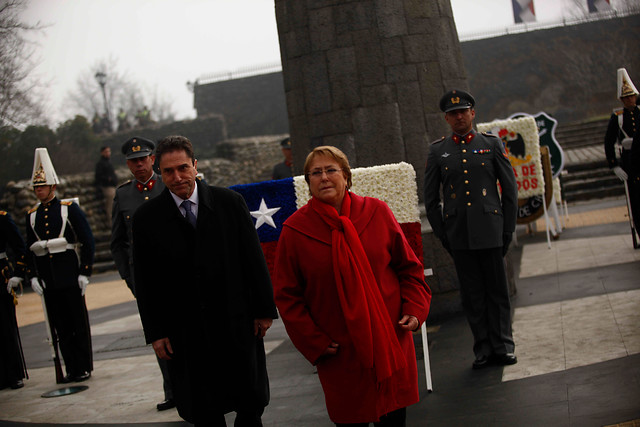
x: 317, y: 174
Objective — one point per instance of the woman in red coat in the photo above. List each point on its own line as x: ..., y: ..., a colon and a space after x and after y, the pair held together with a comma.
x: 350, y: 291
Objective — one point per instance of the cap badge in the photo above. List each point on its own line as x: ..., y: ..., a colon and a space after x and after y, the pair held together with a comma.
x: 455, y: 100
x: 136, y: 148
x: 39, y: 176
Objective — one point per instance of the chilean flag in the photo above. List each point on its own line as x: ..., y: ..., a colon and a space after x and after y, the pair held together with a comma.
x: 272, y: 202
x: 523, y: 11
x: 598, y: 5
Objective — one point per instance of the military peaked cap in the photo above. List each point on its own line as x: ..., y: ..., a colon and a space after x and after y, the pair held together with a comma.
x: 456, y: 100
x: 138, y: 147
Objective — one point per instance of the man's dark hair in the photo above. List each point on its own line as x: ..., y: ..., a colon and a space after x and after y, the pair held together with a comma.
x: 172, y: 143
x: 104, y: 147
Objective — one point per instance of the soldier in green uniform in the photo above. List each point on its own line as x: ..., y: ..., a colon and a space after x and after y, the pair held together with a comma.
x: 475, y: 223
x: 129, y: 196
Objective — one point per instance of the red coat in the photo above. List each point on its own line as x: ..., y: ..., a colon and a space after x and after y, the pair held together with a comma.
x: 307, y: 299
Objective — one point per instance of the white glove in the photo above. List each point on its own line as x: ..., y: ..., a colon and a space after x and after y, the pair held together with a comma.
x: 14, y: 282
x: 35, y: 285
x: 620, y: 173
x: 83, y: 281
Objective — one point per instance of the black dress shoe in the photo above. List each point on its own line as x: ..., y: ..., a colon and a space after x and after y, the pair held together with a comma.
x: 505, y: 359
x: 481, y: 361
x: 166, y: 404
x: 17, y: 384
x: 82, y: 377
x: 67, y: 379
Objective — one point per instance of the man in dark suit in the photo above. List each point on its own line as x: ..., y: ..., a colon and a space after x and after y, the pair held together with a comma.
x: 204, y: 292
x: 475, y: 223
x: 129, y: 196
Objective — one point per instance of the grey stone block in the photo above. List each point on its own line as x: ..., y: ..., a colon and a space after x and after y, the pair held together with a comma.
x: 375, y: 95
x: 321, y: 29
x: 378, y: 135
x: 390, y: 18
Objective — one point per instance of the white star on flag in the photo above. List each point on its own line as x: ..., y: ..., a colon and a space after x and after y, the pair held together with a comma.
x: 263, y: 215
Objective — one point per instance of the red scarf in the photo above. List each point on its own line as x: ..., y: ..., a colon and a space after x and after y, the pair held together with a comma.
x: 368, y: 322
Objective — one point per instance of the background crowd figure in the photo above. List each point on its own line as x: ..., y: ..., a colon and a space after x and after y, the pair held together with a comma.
x: 101, y: 124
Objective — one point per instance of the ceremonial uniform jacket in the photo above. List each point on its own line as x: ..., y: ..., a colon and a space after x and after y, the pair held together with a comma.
x: 630, y: 125
x: 474, y: 214
x: 202, y: 288
x: 60, y: 270
x: 129, y: 197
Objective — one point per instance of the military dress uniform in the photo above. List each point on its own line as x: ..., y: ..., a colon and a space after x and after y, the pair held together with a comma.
x: 622, y: 132
x: 63, y: 298
x: 12, y: 366
x: 473, y: 224
x: 129, y: 196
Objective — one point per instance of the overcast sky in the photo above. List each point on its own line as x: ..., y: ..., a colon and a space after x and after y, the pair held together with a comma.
x: 166, y: 43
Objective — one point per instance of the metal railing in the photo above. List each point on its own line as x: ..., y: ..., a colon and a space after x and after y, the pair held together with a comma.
x: 533, y: 26
x: 239, y: 73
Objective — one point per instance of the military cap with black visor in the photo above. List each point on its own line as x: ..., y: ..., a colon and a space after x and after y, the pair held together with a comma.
x: 138, y: 147
x: 456, y: 100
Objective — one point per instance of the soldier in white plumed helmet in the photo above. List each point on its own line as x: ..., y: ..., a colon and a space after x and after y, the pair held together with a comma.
x: 624, y: 125
x: 61, y: 251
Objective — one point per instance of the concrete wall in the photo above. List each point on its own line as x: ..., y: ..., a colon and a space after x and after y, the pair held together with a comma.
x: 569, y: 72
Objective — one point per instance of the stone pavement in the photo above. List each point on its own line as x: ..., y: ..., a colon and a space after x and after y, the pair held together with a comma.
x: 576, y: 327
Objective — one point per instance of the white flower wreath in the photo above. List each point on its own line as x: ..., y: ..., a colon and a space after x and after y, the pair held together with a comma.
x: 528, y: 168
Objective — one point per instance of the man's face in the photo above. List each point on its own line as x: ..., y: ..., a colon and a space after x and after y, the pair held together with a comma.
x: 142, y: 167
x: 461, y: 121
x: 629, y: 102
x: 178, y: 173
x: 106, y: 153
x: 44, y: 193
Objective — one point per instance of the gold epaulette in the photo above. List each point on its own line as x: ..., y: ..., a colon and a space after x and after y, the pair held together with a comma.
x: 66, y: 202
x: 618, y: 111
x: 438, y: 140
x: 3, y: 213
x: 32, y: 210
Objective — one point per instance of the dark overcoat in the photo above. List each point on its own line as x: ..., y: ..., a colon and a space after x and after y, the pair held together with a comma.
x: 202, y: 288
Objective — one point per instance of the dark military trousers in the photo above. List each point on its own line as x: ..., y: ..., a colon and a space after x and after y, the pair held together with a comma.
x: 68, y: 316
x: 485, y: 299
x: 12, y: 368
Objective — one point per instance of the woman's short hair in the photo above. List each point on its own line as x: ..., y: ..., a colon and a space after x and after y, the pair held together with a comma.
x: 329, y: 151
x: 174, y: 143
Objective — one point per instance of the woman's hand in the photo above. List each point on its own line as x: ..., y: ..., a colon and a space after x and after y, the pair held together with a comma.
x: 409, y: 323
x: 332, y: 350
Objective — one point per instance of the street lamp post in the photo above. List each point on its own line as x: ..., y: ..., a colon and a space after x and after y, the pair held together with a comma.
x: 102, y: 81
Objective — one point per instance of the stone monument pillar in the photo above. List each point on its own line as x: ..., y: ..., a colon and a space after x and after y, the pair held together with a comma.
x: 366, y: 76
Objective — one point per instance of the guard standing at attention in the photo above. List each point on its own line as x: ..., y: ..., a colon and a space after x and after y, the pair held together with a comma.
x: 623, y: 127
x: 475, y: 223
x: 129, y: 196
x: 12, y: 265
x: 61, y: 260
